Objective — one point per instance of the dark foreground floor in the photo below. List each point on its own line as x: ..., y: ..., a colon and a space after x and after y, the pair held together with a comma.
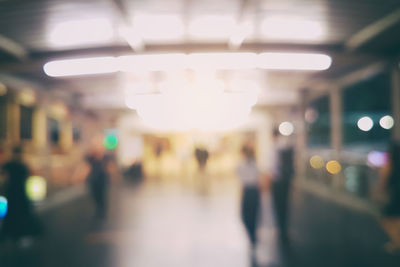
x: 175, y: 224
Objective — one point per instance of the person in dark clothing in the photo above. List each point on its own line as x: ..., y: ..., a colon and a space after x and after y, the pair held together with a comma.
x: 283, y: 171
x: 98, y: 181
x: 20, y: 220
x: 391, y: 211
x: 201, y: 157
x: 249, y: 175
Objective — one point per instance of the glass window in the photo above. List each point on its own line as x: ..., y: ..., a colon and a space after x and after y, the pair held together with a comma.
x: 26, y: 115
x: 318, y: 120
x: 364, y: 105
x: 53, y: 130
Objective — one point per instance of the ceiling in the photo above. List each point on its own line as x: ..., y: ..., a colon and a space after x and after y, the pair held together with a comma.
x: 355, y: 33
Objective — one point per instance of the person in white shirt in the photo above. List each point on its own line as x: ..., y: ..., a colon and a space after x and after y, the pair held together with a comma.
x: 249, y: 175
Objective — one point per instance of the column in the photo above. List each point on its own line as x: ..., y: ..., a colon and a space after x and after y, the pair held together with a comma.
x: 396, y: 102
x: 338, y: 180
x: 302, y: 136
x: 336, y: 119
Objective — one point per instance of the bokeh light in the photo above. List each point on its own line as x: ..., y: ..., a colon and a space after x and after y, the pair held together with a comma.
x: 365, y: 124
x: 386, y: 122
x: 333, y: 167
x: 3, y: 207
x: 317, y: 162
x: 377, y: 158
x: 110, y: 142
x: 286, y: 128
x: 36, y: 188
x: 311, y: 115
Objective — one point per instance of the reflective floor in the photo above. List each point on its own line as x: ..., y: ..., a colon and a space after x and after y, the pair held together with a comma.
x: 190, y: 223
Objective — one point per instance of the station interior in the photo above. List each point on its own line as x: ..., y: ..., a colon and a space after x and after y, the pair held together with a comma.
x: 174, y: 93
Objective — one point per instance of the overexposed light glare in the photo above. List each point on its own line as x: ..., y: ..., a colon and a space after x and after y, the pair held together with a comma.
x: 377, y: 158
x: 241, y: 85
x: 201, y: 104
x: 152, y: 62
x: 333, y: 167
x: 222, y: 61
x: 36, y: 188
x: 365, y: 124
x: 81, y: 33
x: 386, y: 122
x: 212, y: 27
x: 294, y: 61
x: 158, y: 27
x: 317, y: 162
x: 286, y: 128
x: 292, y: 28
x: 81, y: 66
x: 209, y: 62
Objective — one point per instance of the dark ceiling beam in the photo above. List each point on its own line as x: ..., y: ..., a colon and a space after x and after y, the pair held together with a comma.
x: 13, y: 48
x: 130, y: 36
x: 372, y: 31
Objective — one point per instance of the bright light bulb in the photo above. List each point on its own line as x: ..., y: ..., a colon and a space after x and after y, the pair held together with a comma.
x: 294, y: 61
x: 386, y: 122
x: 81, y: 32
x: 159, y: 27
x: 365, y: 124
x: 290, y: 28
x: 82, y: 66
x: 212, y: 27
x: 286, y: 128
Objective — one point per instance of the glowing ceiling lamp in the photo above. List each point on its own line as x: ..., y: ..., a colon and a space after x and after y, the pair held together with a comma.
x: 212, y: 27
x: 222, y: 60
x: 153, y: 62
x: 196, y: 61
x: 284, y: 28
x: 203, y: 105
x: 294, y: 61
x: 81, y: 66
x: 81, y: 32
x: 158, y: 27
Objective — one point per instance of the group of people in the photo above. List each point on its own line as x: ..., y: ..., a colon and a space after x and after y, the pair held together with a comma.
x: 279, y: 181
x: 21, y: 222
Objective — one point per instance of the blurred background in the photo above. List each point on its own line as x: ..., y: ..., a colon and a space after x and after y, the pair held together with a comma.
x: 161, y: 86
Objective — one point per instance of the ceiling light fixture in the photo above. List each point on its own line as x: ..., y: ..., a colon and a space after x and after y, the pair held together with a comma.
x: 197, y: 61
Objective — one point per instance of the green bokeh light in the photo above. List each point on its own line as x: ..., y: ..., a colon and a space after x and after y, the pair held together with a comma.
x: 110, y: 142
x: 36, y: 188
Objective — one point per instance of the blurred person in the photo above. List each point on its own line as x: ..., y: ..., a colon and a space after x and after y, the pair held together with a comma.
x: 20, y: 222
x: 98, y: 179
x: 201, y: 155
x: 281, y: 180
x: 249, y: 175
x: 391, y: 210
